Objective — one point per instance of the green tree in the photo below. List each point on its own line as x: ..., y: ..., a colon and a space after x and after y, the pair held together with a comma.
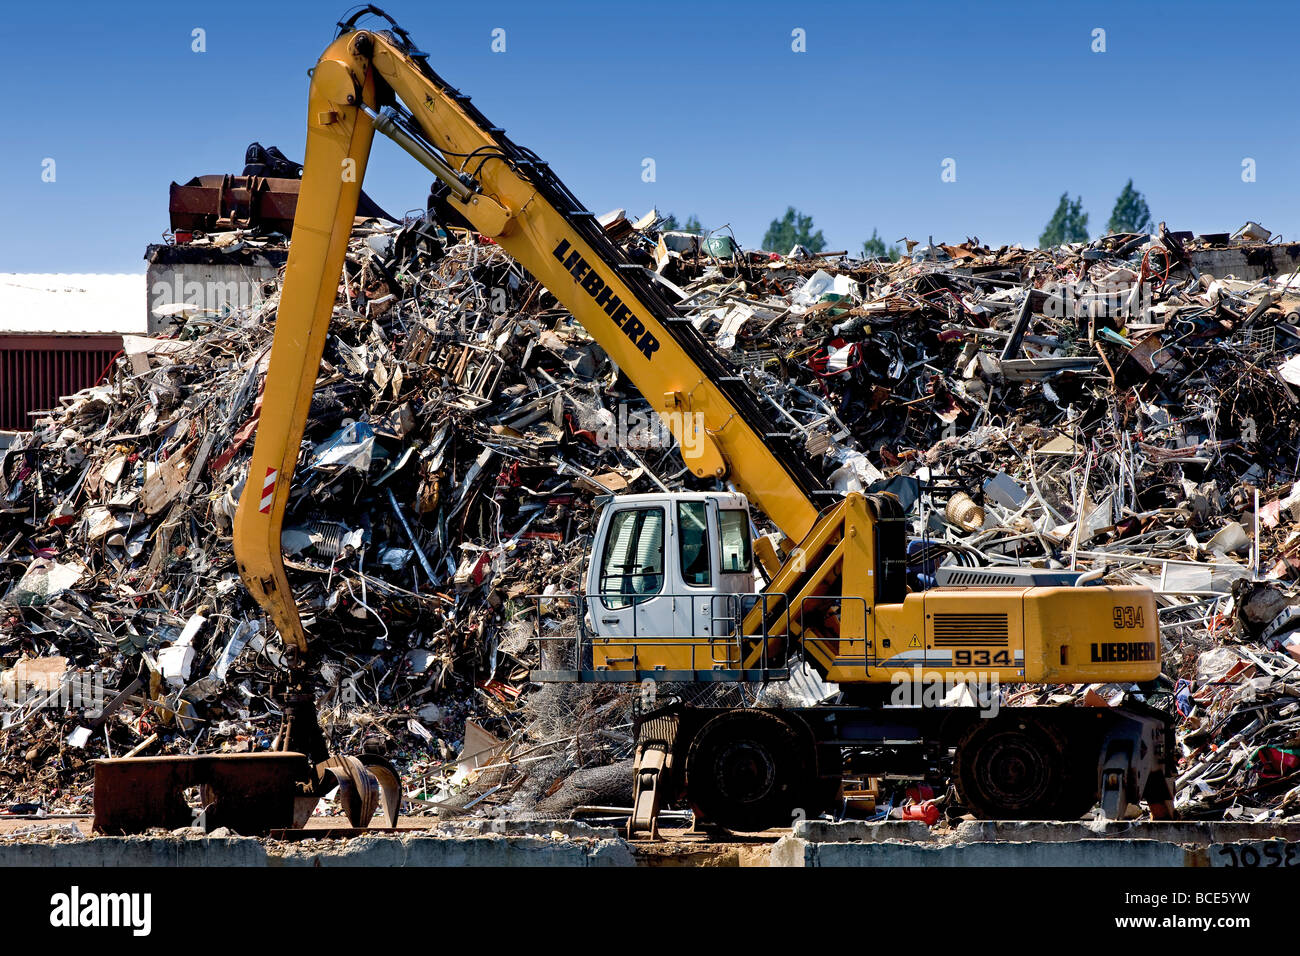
x: 875, y: 247
x: 1068, y: 224
x: 670, y: 224
x: 1130, y: 213
x: 794, y: 228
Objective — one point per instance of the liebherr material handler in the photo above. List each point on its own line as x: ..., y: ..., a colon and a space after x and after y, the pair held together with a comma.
x: 671, y: 595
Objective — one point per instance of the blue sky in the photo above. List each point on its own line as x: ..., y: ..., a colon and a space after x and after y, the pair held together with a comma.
x: 853, y: 131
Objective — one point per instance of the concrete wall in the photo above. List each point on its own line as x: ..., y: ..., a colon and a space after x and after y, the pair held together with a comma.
x: 379, y: 851
x: 1249, y: 262
x: 988, y: 843
x: 811, y: 843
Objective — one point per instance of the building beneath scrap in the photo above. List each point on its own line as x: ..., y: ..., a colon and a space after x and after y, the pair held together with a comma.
x: 60, y: 334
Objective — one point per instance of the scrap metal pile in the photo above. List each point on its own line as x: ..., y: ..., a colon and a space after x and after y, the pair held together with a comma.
x: 1109, y: 406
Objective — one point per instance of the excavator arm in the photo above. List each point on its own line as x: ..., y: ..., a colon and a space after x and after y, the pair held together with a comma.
x: 368, y: 80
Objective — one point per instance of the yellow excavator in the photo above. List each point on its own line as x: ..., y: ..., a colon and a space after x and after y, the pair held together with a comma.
x: 671, y: 596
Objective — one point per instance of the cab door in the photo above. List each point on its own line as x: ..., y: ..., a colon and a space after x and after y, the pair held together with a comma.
x: 700, y: 610
x: 628, y: 597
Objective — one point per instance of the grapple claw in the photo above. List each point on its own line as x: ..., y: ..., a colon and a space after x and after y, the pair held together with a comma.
x: 390, y: 786
x: 359, y: 790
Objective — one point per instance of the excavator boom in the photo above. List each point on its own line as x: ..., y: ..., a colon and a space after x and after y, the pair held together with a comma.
x: 367, y: 79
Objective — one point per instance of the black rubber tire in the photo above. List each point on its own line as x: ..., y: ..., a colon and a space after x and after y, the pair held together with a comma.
x: 750, y: 770
x: 1011, y: 768
x: 1082, y: 789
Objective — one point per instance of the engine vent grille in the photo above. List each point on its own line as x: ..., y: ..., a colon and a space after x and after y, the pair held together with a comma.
x: 970, y: 630
x: 985, y: 579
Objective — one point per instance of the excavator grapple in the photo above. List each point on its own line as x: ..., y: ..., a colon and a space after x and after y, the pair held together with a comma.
x: 249, y: 793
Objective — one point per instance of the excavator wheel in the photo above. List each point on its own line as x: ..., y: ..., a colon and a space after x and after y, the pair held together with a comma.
x: 748, y: 770
x: 1011, y: 768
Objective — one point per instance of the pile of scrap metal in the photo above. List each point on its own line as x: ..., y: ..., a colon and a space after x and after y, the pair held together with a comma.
x: 1110, y: 406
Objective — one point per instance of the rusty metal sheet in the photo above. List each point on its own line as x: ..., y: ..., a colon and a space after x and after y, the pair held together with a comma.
x: 249, y: 793
x: 221, y: 202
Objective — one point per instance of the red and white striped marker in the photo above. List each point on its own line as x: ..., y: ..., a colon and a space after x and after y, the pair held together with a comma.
x: 268, y: 491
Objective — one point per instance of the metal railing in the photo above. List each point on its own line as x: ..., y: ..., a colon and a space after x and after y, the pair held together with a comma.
x: 567, y: 643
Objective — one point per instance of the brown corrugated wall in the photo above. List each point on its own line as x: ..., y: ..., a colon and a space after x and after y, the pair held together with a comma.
x: 36, y: 369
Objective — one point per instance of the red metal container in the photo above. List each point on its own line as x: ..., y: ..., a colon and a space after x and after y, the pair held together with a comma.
x: 36, y: 369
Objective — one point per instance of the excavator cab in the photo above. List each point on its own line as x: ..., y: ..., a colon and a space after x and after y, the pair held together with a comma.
x: 670, y: 567
x: 671, y: 580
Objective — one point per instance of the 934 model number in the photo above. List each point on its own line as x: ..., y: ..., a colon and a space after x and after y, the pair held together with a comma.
x: 1128, y: 616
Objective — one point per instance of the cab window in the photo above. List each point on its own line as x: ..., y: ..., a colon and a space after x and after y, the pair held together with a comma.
x: 733, y: 526
x: 633, y: 563
x: 693, y: 543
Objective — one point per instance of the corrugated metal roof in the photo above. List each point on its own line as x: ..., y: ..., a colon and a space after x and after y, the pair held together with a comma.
x: 74, y: 302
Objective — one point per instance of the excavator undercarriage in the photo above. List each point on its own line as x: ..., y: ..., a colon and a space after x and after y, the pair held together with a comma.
x: 748, y: 769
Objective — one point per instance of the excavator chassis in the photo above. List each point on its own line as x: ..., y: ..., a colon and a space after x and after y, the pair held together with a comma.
x: 749, y: 769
